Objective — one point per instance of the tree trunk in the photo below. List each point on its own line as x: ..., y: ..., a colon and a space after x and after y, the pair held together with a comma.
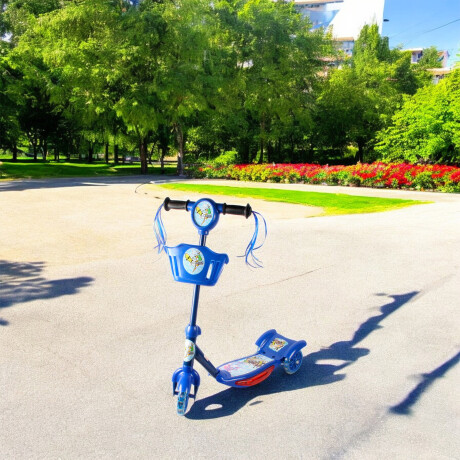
x: 106, y: 155
x: 278, y: 150
x: 269, y: 152
x: 262, y: 135
x: 45, y: 148
x: 245, y: 151
x: 261, y: 157
x: 164, y: 152
x: 115, y: 154
x: 56, y: 154
x: 14, y: 151
x: 150, y: 154
x: 90, y: 153
x: 180, y: 155
x: 360, y: 153
x: 143, y: 155
x: 34, y: 142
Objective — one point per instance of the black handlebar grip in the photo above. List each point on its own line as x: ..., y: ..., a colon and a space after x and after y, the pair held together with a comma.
x: 236, y: 210
x: 175, y: 204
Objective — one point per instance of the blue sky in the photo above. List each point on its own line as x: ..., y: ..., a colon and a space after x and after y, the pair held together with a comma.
x: 410, y: 23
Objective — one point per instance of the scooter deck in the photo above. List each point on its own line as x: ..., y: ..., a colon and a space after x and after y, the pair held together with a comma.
x: 273, y: 349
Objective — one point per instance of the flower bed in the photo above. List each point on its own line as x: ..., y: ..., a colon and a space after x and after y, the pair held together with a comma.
x: 377, y: 175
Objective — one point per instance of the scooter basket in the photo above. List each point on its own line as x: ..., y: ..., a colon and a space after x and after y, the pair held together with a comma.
x: 196, y: 264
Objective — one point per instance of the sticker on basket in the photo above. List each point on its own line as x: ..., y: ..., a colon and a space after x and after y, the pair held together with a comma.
x: 203, y: 214
x: 193, y: 261
x: 277, y: 344
x: 246, y: 365
x: 189, y: 350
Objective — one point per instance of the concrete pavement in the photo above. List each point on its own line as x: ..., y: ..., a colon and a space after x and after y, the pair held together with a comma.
x: 91, y: 329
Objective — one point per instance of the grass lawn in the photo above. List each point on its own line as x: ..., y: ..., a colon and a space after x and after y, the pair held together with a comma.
x: 332, y: 203
x: 27, y: 169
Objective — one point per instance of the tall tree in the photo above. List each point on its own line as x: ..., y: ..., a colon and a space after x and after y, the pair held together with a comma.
x: 358, y: 100
x: 427, y: 126
x: 10, y: 131
x: 75, y: 63
x: 270, y: 60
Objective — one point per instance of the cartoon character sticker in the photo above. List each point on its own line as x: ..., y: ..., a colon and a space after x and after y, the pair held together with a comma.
x: 189, y: 350
x: 277, y: 344
x: 246, y: 365
x: 193, y: 261
x: 203, y: 214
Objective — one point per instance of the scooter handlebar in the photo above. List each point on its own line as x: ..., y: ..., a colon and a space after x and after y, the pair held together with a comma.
x: 175, y: 204
x: 223, y: 208
x: 236, y: 210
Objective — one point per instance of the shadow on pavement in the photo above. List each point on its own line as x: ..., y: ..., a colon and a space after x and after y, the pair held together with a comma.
x: 311, y: 373
x: 21, y: 282
x: 20, y: 185
x: 404, y: 407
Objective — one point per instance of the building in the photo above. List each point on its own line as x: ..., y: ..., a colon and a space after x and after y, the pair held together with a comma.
x: 438, y: 73
x: 345, y: 18
x: 417, y: 53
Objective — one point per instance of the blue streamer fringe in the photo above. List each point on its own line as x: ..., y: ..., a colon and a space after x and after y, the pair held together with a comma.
x: 160, y: 231
x: 249, y: 255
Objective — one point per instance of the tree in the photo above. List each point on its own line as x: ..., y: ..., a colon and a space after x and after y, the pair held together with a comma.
x: 180, y: 77
x: 359, y: 99
x: 427, y: 127
x: 10, y: 131
x: 16, y: 16
x: 261, y: 69
x: 75, y: 64
x: 283, y: 59
x: 351, y: 110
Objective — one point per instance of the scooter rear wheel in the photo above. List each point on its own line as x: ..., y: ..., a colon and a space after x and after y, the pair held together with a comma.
x: 182, y: 402
x: 292, y: 365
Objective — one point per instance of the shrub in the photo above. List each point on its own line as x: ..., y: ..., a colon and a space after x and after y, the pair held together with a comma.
x: 424, y: 181
x: 226, y: 159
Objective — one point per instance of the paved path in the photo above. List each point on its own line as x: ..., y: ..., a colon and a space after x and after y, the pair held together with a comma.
x: 91, y: 328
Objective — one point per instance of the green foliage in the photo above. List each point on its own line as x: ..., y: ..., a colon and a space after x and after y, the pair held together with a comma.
x: 195, y: 77
x: 225, y: 159
x: 424, y: 181
x: 17, y: 16
x: 359, y: 99
x: 426, y: 128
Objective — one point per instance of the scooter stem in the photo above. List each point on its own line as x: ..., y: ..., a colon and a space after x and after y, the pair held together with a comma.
x: 196, y: 291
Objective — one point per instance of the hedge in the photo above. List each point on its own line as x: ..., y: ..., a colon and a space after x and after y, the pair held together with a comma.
x: 378, y: 175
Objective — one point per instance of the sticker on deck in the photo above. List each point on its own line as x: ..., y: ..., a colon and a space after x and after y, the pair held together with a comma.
x: 277, y: 344
x: 246, y: 365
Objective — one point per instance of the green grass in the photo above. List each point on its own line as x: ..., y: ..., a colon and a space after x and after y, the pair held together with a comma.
x: 332, y: 203
x: 27, y: 169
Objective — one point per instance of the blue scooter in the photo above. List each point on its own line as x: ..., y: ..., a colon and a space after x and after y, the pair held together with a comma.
x: 198, y: 265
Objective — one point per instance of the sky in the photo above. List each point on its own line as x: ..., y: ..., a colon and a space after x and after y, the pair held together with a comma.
x: 411, y: 23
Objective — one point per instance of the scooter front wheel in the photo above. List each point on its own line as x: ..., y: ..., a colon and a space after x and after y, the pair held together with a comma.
x: 182, y: 402
x: 292, y: 365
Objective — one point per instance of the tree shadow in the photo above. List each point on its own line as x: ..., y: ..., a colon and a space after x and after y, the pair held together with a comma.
x: 311, y: 373
x: 404, y: 407
x: 22, y: 282
x: 19, y: 185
